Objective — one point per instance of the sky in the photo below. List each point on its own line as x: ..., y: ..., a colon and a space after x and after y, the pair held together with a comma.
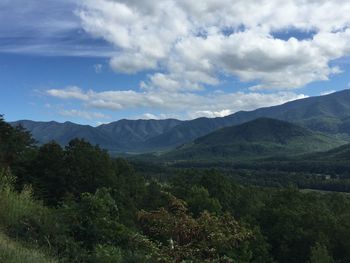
x: 98, y: 61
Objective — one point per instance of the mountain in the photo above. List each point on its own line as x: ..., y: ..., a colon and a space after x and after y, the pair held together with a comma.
x: 44, y: 132
x: 339, y: 154
x: 328, y: 114
x: 262, y: 137
x: 132, y: 134
x: 186, y: 132
x: 123, y: 135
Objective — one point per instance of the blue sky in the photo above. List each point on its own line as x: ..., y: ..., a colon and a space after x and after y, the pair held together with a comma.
x: 92, y: 63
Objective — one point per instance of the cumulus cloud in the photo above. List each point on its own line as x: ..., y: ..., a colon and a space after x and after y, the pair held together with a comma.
x: 189, y: 105
x: 71, y: 92
x: 188, y: 44
x: 187, y: 47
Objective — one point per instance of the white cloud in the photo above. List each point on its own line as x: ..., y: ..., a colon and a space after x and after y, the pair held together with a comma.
x: 149, y: 116
x: 99, y: 123
x: 188, y: 46
x: 71, y: 92
x: 161, y: 116
x: 83, y: 114
x: 327, y: 92
x: 189, y: 43
x: 211, y: 114
x: 98, y: 68
x: 173, y: 104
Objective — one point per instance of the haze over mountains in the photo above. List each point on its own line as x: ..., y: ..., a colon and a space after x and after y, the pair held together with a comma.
x: 329, y: 114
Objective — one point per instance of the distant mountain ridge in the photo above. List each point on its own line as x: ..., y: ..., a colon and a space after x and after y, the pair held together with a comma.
x: 262, y: 137
x: 329, y: 114
x: 123, y: 135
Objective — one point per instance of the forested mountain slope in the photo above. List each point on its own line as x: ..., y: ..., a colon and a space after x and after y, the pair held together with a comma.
x: 255, y: 139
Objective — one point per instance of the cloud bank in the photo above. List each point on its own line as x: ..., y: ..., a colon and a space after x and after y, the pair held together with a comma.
x: 187, y: 105
x: 190, y: 43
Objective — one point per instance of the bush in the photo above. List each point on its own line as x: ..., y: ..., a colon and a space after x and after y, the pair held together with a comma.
x: 21, y: 216
x: 13, y: 252
x: 107, y: 254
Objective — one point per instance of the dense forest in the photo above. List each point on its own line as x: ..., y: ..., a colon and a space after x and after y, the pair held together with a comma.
x: 78, y: 204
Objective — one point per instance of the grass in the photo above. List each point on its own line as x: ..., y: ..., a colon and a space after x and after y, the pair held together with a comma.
x: 18, y: 211
x: 14, y: 252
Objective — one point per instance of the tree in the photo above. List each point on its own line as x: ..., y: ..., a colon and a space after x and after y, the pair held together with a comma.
x: 49, y: 173
x: 89, y: 167
x: 319, y: 254
x: 200, y: 201
x: 208, y: 238
x: 154, y: 197
x: 93, y: 220
x: 15, y: 142
x: 293, y: 222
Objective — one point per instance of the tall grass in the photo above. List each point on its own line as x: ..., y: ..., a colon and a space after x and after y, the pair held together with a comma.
x: 18, y: 209
x: 21, y: 221
x: 13, y: 252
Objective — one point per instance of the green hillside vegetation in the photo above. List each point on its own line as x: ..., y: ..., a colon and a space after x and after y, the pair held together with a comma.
x: 13, y: 252
x: 255, y: 139
x: 77, y: 204
x: 338, y: 154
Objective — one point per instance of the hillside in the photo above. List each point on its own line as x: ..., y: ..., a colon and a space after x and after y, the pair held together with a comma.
x: 338, y: 154
x: 14, y: 252
x: 255, y: 139
x: 328, y: 114
x: 131, y: 135
x: 45, y: 132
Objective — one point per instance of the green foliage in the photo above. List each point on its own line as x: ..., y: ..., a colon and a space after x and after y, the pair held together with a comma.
x: 293, y: 222
x: 50, y: 173
x: 99, y: 209
x: 93, y: 219
x: 201, y: 239
x: 80, y: 167
x: 200, y: 201
x: 15, y: 143
x: 7, y: 179
x: 251, y: 140
x: 89, y: 167
x: 319, y: 254
x: 154, y: 196
x: 107, y: 254
x: 13, y: 252
x: 20, y: 215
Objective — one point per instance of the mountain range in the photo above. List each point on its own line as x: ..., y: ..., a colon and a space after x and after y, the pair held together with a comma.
x: 329, y: 114
x: 260, y: 138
